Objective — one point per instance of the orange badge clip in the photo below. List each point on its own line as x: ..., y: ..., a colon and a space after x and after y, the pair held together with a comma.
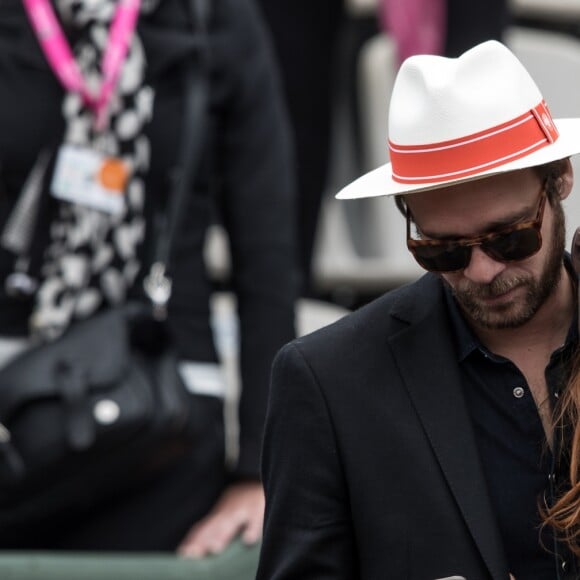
x: 113, y: 174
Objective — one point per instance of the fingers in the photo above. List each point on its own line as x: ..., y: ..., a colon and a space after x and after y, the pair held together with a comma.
x: 253, y: 531
x: 210, y: 536
x: 240, y: 509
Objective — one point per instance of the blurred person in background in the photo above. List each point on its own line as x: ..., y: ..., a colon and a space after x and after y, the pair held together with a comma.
x: 305, y: 36
x: 80, y: 260
x: 444, y: 27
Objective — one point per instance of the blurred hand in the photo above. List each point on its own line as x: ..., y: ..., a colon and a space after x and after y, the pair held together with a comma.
x: 240, y: 509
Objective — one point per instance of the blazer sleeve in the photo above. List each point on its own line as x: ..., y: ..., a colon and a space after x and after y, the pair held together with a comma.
x: 257, y: 207
x: 308, y: 531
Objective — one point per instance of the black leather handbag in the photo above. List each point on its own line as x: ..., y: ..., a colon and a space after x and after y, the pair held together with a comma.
x: 103, y: 406
x: 89, y: 414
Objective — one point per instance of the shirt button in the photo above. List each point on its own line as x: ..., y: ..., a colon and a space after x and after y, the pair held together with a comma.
x: 518, y: 392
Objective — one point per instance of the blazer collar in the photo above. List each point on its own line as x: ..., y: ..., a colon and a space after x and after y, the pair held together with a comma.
x: 433, y: 382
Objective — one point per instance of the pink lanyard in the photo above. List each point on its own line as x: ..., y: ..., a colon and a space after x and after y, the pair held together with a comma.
x: 61, y: 59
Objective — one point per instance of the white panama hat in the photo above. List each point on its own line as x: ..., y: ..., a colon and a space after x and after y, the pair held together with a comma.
x: 456, y: 119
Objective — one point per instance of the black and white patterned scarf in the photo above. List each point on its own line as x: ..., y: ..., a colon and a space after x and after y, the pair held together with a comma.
x: 91, y: 258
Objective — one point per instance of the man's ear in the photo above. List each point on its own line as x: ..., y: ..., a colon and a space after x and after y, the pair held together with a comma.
x: 566, y: 180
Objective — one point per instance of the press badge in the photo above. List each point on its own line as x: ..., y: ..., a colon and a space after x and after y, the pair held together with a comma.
x: 90, y: 178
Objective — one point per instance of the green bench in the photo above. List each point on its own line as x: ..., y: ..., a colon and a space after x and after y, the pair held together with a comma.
x: 238, y: 562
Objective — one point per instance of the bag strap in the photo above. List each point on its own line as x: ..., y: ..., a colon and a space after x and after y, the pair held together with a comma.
x: 157, y: 284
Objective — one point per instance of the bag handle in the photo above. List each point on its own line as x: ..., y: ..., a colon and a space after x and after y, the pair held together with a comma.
x: 157, y: 284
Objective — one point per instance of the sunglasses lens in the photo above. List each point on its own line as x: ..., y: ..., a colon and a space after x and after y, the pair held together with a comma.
x: 506, y: 247
x: 442, y: 258
x: 514, y: 246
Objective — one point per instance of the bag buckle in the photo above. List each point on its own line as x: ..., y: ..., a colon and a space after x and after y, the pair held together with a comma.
x: 158, y: 288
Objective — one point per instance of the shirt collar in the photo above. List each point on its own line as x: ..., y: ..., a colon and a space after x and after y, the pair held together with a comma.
x: 465, y: 340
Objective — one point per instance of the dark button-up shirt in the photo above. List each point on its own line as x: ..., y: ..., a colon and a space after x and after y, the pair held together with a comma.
x: 516, y: 458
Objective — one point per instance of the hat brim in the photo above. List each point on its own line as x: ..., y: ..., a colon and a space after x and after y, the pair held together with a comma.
x: 380, y: 181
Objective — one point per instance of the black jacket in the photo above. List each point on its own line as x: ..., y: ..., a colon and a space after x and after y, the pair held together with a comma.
x: 370, y: 464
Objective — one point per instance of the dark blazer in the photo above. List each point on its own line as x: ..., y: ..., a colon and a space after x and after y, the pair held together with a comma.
x: 370, y: 462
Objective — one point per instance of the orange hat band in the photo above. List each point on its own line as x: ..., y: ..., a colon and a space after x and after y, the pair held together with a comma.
x: 475, y: 153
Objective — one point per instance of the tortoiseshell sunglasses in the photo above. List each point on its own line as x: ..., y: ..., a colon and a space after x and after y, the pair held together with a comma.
x: 507, y: 244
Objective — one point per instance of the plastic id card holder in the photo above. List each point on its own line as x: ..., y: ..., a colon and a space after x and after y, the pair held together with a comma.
x: 90, y: 178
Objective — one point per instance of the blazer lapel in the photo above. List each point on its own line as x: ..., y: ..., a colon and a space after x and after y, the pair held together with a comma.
x: 434, y: 386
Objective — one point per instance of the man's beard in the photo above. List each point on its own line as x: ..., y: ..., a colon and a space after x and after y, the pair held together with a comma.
x: 513, y: 314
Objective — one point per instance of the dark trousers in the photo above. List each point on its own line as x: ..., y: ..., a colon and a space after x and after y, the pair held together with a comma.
x: 305, y: 35
x: 469, y: 23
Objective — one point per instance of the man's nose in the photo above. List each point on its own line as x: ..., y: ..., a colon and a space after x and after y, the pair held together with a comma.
x: 482, y: 268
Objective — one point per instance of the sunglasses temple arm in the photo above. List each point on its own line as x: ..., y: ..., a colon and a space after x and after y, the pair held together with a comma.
x: 575, y: 253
